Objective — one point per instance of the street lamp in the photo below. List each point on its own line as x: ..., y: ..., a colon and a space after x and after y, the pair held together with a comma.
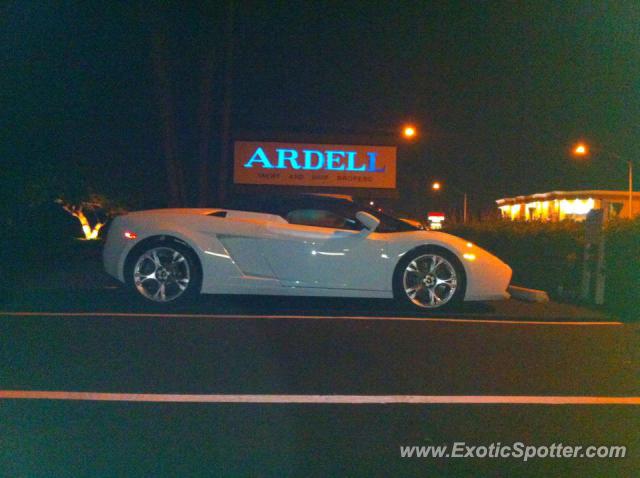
x: 436, y: 186
x: 582, y: 149
x: 409, y: 131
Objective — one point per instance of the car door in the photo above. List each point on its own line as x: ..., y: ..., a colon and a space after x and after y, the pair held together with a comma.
x: 324, y: 246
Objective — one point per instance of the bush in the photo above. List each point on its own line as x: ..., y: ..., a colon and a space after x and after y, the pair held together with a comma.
x: 622, y: 267
x: 549, y: 256
x: 543, y: 256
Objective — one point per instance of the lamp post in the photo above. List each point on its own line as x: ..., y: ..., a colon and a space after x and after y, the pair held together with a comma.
x: 437, y: 186
x: 581, y: 149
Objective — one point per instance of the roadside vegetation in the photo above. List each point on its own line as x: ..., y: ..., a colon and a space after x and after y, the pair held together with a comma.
x: 549, y: 256
x: 622, y: 267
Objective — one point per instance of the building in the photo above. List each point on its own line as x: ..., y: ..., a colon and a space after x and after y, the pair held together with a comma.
x: 573, y: 205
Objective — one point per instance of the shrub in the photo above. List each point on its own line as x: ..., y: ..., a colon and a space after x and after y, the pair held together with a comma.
x: 549, y: 256
x: 544, y: 256
x: 622, y: 267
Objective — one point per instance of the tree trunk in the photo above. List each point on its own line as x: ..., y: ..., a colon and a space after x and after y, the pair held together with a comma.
x: 204, y: 128
x: 90, y: 233
x: 167, y: 115
x: 225, y: 136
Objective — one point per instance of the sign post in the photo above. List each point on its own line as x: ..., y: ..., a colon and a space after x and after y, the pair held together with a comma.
x: 593, y: 276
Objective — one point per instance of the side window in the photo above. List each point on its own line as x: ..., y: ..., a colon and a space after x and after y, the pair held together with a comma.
x: 321, y: 218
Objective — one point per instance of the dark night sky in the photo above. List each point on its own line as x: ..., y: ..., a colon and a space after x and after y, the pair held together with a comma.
x: 498, y: 89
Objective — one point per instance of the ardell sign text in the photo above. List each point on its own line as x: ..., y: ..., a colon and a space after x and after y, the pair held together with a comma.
x: 296, y: 164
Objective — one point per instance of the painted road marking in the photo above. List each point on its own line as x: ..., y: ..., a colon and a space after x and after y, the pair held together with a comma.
x: 308, y: 317
x: 320, y: 399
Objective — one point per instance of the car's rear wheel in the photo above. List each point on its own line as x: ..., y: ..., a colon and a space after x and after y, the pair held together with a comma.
x: 164, y: 272
x: 429, y: 278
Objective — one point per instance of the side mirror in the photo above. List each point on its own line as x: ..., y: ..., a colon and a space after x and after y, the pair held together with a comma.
x: 368, y: 220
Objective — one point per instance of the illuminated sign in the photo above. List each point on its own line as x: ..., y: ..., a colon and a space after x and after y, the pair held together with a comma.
x: 332, y: 165
x: 435, y: 220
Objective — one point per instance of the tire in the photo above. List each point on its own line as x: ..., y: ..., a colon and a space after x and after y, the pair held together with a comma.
x: 429, y: 278
x: 163, y: 272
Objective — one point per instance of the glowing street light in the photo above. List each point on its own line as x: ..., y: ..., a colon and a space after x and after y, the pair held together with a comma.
x: 435, y: 186
x: 409, y: 131
x: 580, y: 149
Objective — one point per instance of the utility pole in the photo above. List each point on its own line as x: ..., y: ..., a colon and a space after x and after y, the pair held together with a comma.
x: 630, y: 189
x: 204, y: 127
x: 464, y: 209
x: 173, y: 167
x: 225, y: 134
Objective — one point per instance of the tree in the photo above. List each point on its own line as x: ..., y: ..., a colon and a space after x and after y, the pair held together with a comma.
x: 204, y: 126
x: 161, y: 67
x: 225, y: 140
x: 92, y: 213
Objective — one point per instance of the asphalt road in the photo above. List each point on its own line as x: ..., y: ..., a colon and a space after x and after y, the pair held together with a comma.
x: 241, y: 347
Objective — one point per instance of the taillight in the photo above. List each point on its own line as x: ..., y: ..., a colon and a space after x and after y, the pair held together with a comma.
x: 130, y: 235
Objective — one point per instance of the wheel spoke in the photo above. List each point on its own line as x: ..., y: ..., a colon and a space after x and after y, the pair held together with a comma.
x: 139, y: 277
x: 436, y: 262
x: 182, y: 283
x: 434, y: 299
x: 177, y: 258
x: 155, y: 258
x: 450, y: 281
x: 431, y: 298
x: 413, y: 291
x: 160, y: 293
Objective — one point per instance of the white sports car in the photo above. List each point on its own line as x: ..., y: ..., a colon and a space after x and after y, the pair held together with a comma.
x: 310, y: 245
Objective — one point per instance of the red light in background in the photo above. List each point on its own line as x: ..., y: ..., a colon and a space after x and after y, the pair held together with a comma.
x: 130, y: 235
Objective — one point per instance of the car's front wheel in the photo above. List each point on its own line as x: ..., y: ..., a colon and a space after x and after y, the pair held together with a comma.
x: 429, y: 278
x: 164, y: 272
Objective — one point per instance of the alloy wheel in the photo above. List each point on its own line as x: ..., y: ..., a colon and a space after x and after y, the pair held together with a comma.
x: 161, y: 274
x: 430, y: 281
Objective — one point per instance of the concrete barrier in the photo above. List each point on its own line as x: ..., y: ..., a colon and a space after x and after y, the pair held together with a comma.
x: 528, y: 295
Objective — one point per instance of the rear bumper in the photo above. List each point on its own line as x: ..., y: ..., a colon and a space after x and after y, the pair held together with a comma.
x: 114, y: 249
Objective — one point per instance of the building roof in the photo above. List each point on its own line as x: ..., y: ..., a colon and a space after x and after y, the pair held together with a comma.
x: 583, y: 194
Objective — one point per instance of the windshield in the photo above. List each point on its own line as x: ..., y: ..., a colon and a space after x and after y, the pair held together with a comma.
x: 388, y: 222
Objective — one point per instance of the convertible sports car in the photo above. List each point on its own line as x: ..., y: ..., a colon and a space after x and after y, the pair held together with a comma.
x: 310, y: 245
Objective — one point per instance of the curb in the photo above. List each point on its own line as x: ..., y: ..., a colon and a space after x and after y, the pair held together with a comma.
x: 528, y: 295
